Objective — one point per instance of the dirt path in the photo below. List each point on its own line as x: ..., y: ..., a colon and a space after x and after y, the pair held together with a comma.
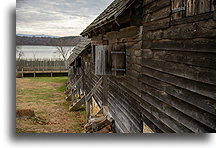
x: 45, y: 96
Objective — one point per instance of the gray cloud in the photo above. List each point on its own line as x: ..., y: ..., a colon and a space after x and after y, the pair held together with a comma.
x: 57, y: 17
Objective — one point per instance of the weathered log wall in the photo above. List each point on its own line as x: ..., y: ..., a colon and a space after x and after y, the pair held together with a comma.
x: 122, y: 90
x: 169, y: 82
x: 178, y: 66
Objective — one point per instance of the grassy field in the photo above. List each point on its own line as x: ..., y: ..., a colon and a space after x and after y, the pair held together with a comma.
x: 45, y: 96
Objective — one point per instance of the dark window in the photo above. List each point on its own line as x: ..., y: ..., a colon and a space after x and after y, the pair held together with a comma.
x: 93, y: 53
x: 118, y: 59
x: 78, y: 62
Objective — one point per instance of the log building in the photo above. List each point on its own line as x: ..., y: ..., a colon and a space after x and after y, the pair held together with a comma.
x: 150, y: 65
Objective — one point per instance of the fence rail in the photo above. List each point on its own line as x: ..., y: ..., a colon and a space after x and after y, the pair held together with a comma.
x: 40, y: 66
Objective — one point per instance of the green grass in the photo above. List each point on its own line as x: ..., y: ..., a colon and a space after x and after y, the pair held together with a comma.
x: 48, y: 79
x: 61, y: 88
x: 41, y: 93
x: 50, y: 93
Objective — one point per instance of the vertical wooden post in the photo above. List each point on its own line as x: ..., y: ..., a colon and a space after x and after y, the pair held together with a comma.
x: 34, y: 74
x: 105, y: 91
x: 87, y: 110
x: 22, y: 72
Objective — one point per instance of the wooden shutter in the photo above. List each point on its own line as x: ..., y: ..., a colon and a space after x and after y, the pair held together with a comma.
x: 118, y: 58
x: 102, y: 60
x: 195, y: 7
x: 178, y: 9
x: 187, y: 8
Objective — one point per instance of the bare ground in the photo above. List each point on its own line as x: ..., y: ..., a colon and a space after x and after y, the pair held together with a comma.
x: 45, y: 97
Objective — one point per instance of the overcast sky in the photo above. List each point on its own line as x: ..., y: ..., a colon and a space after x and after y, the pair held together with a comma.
x: 56, y: 17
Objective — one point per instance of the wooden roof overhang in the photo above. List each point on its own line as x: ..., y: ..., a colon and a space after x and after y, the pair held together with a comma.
x: 114, y: 17
x: 78, y: 50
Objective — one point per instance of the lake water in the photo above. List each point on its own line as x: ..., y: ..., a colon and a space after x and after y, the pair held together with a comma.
x: 47, y: 52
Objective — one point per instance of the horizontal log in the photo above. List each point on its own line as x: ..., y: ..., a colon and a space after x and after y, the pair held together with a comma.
x: 174, y: 125
x: 154, y: 6
x: 126, y: 111
x: 193, y: 86
x: 134, y: 52
x: 199, y: 74
x: 185, y: 120
x: 124, y: 33
x: 151, y: 125
x: 117, y: 122
x: 146, y: 2
x: 132, y: 66
x: 120, y: 99
x: 198, y: 59
x: 163, y: 13
x: 156, y: 25
x: 121, y: 117
x: 131, y: 46
x: 198, y: 45
x: 132, y: 99
x: 160, y: 125
x: 202, y: 29
x: 190, y: 110
x: 199, y: 101
x: 194, y: 18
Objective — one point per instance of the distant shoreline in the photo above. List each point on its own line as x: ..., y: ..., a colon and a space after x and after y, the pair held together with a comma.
x: 47, y: 41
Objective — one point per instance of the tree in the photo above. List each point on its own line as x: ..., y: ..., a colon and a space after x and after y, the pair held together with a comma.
x: 34, y: 55
x: 63, y: 50
x: 19, y: 55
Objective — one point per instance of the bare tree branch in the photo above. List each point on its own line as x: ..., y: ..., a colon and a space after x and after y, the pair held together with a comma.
x: 63, y: 51
x: 19, y: 53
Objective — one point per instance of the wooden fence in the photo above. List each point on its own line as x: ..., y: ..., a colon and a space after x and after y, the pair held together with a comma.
x: 33, y: 66
x: 40, y: 64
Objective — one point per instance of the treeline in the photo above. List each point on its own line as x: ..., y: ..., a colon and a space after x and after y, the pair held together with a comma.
x: 48, y: 41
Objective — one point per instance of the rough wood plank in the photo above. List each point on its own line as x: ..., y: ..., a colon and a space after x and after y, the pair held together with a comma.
x: 151, y: 125
x: 77, y: 82
x: 118, y: 99
x: 175, y: 114
x: 76, y: 105
x: 102, y: 61
x: 199, y: 101
x: 163, y: 13
x: 89, y: 95
x: 201, y: 29
x: 128, y: 32
x: 196, y: 18
x: 193, y: 86
x: 207, y: 46
x: 171, y: 123
x: 199, y: 74
x: 127, y: 113
x: 164, y: 128
x: 156, y: 25
x: 154, y: 6
x: 206, y: 60
x: 88, y: 110
x: 193, y: 112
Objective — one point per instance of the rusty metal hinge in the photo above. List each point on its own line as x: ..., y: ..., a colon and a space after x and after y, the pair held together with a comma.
x: 117, y: 52
x: 177, y: 10
x: 118, y: 69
